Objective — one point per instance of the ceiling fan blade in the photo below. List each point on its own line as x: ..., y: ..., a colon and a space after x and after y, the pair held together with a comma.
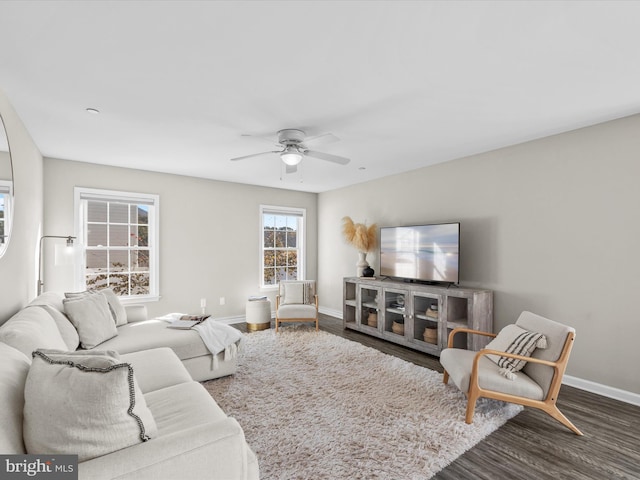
x: 327, y: 156
x: 322, y: 139
x: 253, y: 155
x: 291, y: 168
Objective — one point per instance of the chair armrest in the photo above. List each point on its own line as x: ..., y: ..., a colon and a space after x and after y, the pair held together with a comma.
x: 136, y: 312
x: 277, y: 302
x: 467, y: 330
x: 512, y: 355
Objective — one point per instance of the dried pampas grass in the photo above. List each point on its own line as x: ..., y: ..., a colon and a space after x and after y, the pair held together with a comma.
x: 359, y: 235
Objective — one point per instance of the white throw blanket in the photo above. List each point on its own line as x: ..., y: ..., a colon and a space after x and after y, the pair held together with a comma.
x: 217, y: 337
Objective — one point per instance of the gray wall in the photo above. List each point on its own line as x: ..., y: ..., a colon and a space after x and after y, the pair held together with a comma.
x: 550, y: 225
x: 19, y: 263
x: 209, y: 232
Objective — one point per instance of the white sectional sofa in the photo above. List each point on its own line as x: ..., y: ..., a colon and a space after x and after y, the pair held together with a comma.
x: 195, y: 439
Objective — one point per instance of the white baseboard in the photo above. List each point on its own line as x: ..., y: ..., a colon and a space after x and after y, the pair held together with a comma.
x: 330, y: 312
x: 600, y: 389
x: 586, y: 385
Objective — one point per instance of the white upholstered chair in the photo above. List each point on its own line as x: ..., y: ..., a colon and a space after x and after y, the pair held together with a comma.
x: 536, y: 385
x: 297, y: 302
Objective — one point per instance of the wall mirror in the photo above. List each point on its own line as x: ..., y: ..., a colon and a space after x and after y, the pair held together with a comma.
x: 6, y: 189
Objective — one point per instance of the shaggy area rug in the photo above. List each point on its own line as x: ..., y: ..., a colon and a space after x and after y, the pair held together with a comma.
x: 316, y: 406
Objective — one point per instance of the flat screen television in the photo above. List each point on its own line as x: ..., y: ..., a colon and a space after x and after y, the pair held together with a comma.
x: 426, y: 253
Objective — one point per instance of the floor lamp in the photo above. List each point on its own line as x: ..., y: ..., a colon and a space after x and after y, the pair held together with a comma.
x: 69, y: 239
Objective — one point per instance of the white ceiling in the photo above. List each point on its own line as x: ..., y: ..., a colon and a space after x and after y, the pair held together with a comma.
x: 403, y: 84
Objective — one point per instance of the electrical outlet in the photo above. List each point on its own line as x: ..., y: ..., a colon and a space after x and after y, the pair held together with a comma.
x: 222, y: 301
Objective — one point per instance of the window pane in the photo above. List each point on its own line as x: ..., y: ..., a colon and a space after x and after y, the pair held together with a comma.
x: 292, y: 273
x: 143, y: 215
x: 118, y: 260
x: 96, y: 211
x: 96, y: 259
x: 281, y: 258
x: 119, y: 283
x: 96, y: 235
x: 139, y: 260
x: 269, y: 276
x: 269, y: 239
x: 139, y: 284
x: 269, y: 258
x: 281, y: 222
x: 292, y: 258
x: 292, y: 238
x: 143, y: 236
x: 281, y: 274
x: 118, y: 235
x: 269, y: 221
x: 118, y: 213
x: 281, y: 239
x: 292, y: 223
x: 96, y: 282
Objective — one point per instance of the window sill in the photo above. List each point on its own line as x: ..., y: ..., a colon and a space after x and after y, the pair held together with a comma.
x: 139, y: 299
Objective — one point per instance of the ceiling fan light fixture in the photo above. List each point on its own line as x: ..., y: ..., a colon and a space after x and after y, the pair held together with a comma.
x: 291, y: 156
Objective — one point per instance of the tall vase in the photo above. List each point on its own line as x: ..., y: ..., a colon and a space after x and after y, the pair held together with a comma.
x: 362, y: 263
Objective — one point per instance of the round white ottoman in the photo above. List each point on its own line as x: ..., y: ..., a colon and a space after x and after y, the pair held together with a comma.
x: 258, y: 315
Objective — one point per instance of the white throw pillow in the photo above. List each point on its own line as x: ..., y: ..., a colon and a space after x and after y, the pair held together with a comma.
x: 296, y: 293
x: 513, y: 339
x: 83, y: 403
x: 116, y: 308
x: 92, y: 318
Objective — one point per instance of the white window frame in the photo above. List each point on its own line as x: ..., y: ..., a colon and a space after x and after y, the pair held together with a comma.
x: 80, y: 195
x: 301, y: 239
x: 6, y: 189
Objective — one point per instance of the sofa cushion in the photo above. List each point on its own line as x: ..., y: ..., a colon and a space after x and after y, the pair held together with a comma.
x: 157, y: 368
x: 30, y: 329
x: 14, y: 366
x: 118, y: 312
x: 52, y: 303
x: 92, y: 318
x: 182, y: 406
x: 84, y: 403
x: 134, y: 337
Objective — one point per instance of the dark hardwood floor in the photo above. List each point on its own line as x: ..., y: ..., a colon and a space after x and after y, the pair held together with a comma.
x: 532, y: 445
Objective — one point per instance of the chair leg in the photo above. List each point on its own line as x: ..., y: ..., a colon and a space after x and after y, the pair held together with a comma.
x: 277, y: 324
x: 554, y: 412
x: 472, y: 397
x: 445, y: 377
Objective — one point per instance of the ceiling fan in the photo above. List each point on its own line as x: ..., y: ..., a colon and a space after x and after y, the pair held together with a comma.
x: 294, y: 149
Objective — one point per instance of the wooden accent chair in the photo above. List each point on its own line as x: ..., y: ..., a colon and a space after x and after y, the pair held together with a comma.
x: 297, y: 301
x: 536, y: 385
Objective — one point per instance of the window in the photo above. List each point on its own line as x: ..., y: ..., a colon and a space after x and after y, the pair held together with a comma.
x: 118, y: 233
x: 5, y: 211
x: 282, y: 244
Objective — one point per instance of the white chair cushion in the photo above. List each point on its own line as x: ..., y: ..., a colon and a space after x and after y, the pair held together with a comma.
x: 297, y: 311
x: 92, y: 318
x: 459, y: 362
x: 84, y: 403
